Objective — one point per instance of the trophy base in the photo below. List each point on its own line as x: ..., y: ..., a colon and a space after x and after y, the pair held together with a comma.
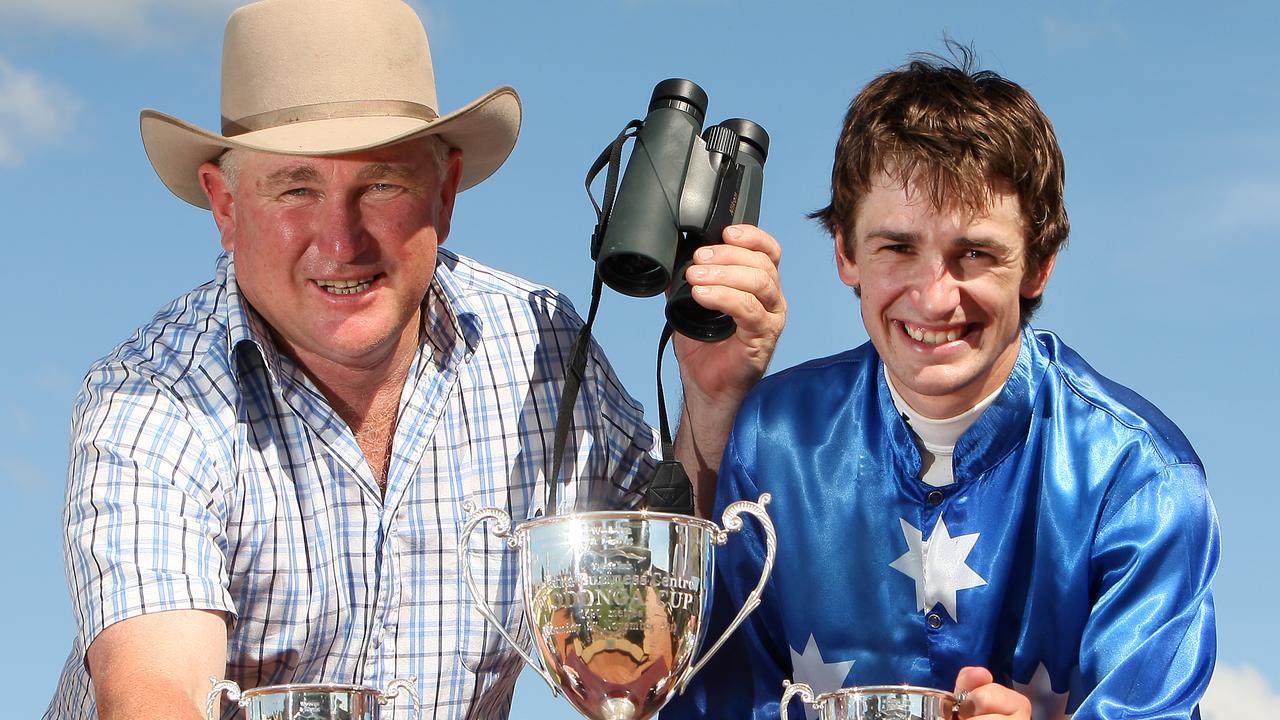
x: 617, y: 709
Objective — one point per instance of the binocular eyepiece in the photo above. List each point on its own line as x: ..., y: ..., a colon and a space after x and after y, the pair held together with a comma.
x: 681, y: 188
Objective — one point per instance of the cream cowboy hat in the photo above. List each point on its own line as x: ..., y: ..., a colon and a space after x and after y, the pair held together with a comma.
x: 324, y: 77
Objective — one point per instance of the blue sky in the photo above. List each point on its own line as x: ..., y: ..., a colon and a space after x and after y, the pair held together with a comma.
x: 1165, y: 111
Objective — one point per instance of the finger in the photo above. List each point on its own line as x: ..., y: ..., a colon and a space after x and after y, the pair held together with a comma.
x: 971, y: 677
x: 755, y: 239
x: 753, y: 321
x: 758, y: 283
x: 967, y: 680
x: 992, y: 701
x: 979, y: 697
x: 732, y: 255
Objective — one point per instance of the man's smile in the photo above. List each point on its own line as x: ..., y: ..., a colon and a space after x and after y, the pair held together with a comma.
x: 346, y: 287
x: 935, y: 336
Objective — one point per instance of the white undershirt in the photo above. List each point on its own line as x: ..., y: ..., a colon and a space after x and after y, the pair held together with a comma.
x: 936, y: 439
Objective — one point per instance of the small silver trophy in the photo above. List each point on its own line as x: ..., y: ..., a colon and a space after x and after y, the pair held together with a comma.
x: 618, y: 600
x: 305, y: 701
x: 874, y: 702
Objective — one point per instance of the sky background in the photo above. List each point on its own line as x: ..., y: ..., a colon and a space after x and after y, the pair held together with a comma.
x: 1166, y: 113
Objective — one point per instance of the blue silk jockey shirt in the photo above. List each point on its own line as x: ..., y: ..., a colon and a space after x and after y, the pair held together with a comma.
x: 1072, y: 556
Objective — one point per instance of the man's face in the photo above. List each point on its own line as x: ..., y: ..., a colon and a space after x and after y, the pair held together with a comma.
x: 336, y: 253
x: 940, y: 293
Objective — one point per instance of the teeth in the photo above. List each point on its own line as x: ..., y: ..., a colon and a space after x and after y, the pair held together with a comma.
x: 344, y: 287
x: 931, y: 337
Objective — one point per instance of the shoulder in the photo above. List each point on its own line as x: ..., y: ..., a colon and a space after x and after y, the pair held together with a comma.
x: 182, y: 353
x: 496, y: 292
x: 1086, y: 394
x: 806, y: 403
x: 188, y: 331
x: 824, y: 381
x: 1120, y: 447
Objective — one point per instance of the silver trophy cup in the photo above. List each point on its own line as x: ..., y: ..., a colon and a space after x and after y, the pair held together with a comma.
x: 873, y: 702
x: 617, y: 600
x: 308, y: 701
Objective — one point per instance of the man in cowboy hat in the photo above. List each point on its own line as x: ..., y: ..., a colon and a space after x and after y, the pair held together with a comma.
x: 266, y: 481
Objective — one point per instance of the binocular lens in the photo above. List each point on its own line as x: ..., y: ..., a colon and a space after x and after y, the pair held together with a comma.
x: 689, y: 318
x: 633, y: 274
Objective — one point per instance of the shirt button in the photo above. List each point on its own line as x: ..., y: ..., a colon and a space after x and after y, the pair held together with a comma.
x: 935, y: 498
x: 934, y: 620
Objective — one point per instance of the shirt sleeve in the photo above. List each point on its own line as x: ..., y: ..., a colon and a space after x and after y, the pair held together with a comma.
x: 744, y: 678
x: 1149, y: 644
x: 617, y: 451
x: 143, y: 506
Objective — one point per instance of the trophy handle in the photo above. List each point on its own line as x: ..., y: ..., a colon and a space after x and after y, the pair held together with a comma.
x: 501, y: 529
x: 790, y: 689
x: 733, y: 523
x: 233, y: 692
x: 409, y: 686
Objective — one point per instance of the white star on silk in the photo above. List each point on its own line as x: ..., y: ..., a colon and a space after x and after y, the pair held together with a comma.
x: 938, y: 566
x: 1045, y: 703
x: 809, y: 668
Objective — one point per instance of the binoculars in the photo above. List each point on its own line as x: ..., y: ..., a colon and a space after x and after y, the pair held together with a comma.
x: 681, y: 188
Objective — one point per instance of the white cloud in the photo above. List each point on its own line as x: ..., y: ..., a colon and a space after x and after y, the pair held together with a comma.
x: 54, y: 380
x: 33, y: 111
x: 438, y: 21
x: 17, y: 420
x: 1239, y: 693
x: 1073, y: 34
x: 1240, y: 209
x: 21, y: 475
x: 1214, y: 220
x: 128, y: 20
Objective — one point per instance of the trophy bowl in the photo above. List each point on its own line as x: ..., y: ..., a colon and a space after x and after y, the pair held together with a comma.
x: 307, y: 701
x: 618, y: 600
x: 874, y: 702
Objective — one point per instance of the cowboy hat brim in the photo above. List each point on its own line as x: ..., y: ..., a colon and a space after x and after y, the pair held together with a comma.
x: 485, y: 130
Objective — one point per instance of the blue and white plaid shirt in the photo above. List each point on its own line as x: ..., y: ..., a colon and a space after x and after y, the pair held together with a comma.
x: 208, y: 472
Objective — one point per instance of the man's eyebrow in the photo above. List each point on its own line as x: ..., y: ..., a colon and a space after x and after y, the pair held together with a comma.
x: 983, y: 243
x: 905, y: 236
x: 291, y: 174
x: 383, y: 170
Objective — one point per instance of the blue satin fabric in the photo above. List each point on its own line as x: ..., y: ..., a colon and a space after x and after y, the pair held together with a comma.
x: 1096, y: 539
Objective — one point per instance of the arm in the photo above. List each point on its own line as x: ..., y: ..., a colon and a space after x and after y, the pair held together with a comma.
x: 1153, y: 557
x: 158, y: 665
x: 744, y: 678
x: 143, y: 517
x: 740, y: 279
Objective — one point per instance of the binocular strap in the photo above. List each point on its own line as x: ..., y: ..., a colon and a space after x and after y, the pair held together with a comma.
x: 575, y: 371
x: 670, y: 490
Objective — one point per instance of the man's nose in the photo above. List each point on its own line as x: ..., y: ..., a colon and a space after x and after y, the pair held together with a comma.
x: 341, y: 235
x: 938, y: 292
